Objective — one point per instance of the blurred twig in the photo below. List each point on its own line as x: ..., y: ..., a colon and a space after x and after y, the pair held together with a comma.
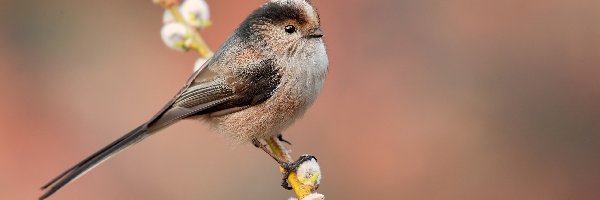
x: 197, y: 43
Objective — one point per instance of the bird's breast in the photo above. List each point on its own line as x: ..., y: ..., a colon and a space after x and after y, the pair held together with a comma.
x: 300, y: 83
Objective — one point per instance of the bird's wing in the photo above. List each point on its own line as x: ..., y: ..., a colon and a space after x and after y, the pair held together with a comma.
x: 211, y: 92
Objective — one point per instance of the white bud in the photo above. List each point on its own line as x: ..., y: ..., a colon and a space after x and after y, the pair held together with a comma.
x: 313, y: 196
x: 199, y: 63
x: 309, y: 173
x: 176, y: 35
x: 195, y: 13
x: 168, y: 17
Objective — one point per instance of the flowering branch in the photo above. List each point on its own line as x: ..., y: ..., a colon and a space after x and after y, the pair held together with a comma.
x: 182, y: 23
x: 306, y: 179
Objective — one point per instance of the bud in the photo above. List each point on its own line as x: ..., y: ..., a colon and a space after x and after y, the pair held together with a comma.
x: 176, y: 36
x: 168, y: 17
x: 309, y: 173
x: 195, y: 13
x: 313, y: 196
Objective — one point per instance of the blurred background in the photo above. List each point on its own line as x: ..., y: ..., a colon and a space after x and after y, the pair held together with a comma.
x: 430, y: 99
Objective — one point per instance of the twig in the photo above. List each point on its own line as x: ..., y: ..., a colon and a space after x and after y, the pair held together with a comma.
x: 197, y: 43
x: 301, y: 188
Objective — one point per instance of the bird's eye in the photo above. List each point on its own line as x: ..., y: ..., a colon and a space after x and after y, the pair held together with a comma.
x: 290, y: 28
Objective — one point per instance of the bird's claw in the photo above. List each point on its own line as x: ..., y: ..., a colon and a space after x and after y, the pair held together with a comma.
x: 280, y: 138
x: 293, y: 166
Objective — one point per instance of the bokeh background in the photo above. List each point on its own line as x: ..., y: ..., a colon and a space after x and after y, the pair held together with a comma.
x: 430, y: 99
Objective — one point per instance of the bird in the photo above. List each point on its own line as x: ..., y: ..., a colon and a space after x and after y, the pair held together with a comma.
x: 261, y: 79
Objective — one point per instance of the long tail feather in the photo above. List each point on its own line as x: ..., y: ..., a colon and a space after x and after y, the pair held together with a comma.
x: 90, y: 162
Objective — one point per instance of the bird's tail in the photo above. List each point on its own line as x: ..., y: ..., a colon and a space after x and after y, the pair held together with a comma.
x: 90, y: 162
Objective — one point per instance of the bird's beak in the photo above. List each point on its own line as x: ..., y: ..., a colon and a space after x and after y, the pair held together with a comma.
x: 316, y: 33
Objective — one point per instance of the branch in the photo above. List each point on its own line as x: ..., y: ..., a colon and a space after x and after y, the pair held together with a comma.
x: 190, y: 38
x: 306, y: 179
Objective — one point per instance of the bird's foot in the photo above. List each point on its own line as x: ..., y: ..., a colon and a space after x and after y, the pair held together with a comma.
x: 263, y: 147
x: 288, y: 167
x: 293, y: 166
x: 280, y: 138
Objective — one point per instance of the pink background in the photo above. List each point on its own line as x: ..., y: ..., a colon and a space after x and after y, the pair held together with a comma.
x: 430, y: 99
